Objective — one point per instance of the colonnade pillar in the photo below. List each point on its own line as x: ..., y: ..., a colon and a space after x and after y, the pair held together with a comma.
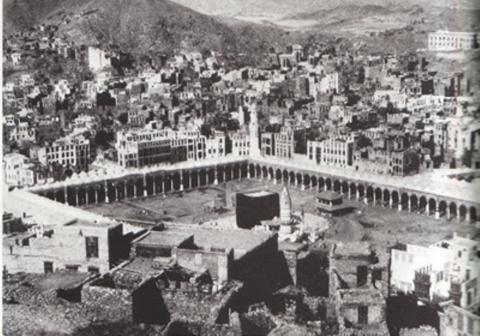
x: 107, y: 198
x: 181, y: 181
x: 145, y: 191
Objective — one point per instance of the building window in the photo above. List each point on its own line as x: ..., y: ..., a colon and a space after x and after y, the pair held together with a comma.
x: 71, y: 268
x: 362, y: 314
x: 93, y: 270
x: 48, y: 267
x: 91, y: 244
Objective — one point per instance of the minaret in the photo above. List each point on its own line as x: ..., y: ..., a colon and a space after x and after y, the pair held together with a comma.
x: 253, y: 131
x: 285, y: 205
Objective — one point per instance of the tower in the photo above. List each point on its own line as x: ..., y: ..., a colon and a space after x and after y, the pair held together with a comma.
x: 285, y: 205
x: 253, y: 130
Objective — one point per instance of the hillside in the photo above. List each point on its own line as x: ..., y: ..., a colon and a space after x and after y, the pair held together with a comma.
x: 282, y: 8
x: 140, y: 26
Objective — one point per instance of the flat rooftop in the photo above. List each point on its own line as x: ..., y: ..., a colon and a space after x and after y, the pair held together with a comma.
x: 352, y: 249
x: 329, y: 195
x: 240, y: 240
x: 165, y: 238
x: 43, y: 211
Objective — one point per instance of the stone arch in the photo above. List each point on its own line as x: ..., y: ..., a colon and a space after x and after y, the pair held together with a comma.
x: 291, y: 178
x: 361, y: 190
x: 442, y: 207
x: 328, y: 184
x: 203, y: 177
x: 452, y: 209
x: 244, y: 170
x: 176, y: 180
x: 414, y: 204
x: 186, y: 179
x: 404, y: 199
x: 194, y: 178
x: 336, y: 185
x: 353, y: 189
x: 422, y: 204
x: 321, y: 183
x: 236, y: 171
x: 306, y: 181
x: 270, y: 173
x: 432, y: 205
x: 298, y: 179
x: 211, y: 175
x: 344, y: 187
x: 314, y: 180
x: 100, y: 193
x: 369, y: 193
x: 251, y: 169
x: 278, y: 174
x: 220, y: 174
x: 285, y: 176
x: 395, y: 197
x: 462, y: 212
x: 473, y: 214
x: 264, y: 172
x: 258, y: 170
x: 378, y: 195
x: 386, y: 197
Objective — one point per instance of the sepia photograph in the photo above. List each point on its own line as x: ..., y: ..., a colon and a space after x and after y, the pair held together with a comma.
x: 240, y: 167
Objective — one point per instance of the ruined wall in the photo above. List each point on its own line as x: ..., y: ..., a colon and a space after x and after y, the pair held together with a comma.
x: 97, y: 297
x: 375, y: 314
x: 65, y: 247
x: 218, y: 263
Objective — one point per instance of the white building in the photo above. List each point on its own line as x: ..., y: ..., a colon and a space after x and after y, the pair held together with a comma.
x: 328, y: 83
x: 443, y: 40
x: 71, y: 151
x: 335, y: 152
x: 22, y: 132
x: 18, y: 171
x: 215, y: 146
x: 240, y: 143
x: 97, y: 59
x: 443, y: 264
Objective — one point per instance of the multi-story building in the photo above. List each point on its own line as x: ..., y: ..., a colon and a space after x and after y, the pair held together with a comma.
x: 136, y: 149
x: 139, y: 148
x: 22, y: 132
x: 267, y: 143
x: 97, y: 59
x: 215, y: 146
x: 445, y: 270
x: 443, y: 40
x: 336, y: 152
x: 71, y: 151
x: 19, y: 171
x: 284, y: 143
x: 240, y: 143
x: 62, y: 238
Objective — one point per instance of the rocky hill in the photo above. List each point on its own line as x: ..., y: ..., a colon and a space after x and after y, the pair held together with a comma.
x: 140, y: 26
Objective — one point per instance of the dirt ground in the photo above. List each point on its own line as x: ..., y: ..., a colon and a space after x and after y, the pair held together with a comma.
x: 379, y: 225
